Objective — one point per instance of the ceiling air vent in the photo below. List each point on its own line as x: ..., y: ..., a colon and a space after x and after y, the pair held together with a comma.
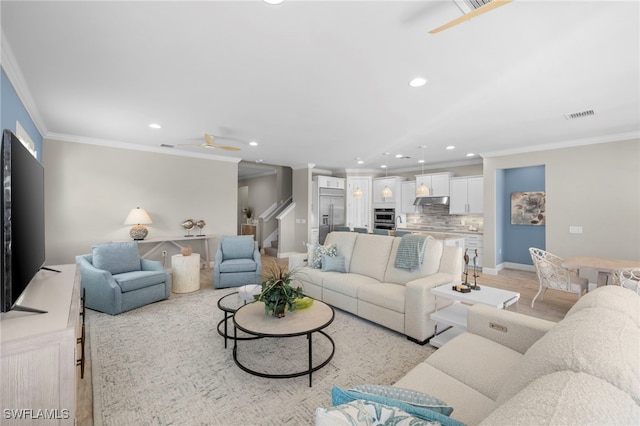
x: 467, y: 6
x: 164, y: 145
x: 580, y: 114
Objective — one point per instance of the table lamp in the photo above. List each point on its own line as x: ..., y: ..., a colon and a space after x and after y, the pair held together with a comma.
x: 138, y: 218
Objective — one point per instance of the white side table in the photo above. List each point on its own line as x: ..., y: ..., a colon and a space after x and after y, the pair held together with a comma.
x: 186, y: 273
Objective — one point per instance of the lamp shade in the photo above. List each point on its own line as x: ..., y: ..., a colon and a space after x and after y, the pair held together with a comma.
x: 357, y: 193
x: 386, y: 192
x: 423, y: 190
x: 138, y: 216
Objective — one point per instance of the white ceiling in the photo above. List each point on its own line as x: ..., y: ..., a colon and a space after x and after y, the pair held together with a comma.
x: 324, y: 82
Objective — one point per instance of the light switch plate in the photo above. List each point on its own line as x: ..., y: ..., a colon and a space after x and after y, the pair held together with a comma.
x: 575, y: 229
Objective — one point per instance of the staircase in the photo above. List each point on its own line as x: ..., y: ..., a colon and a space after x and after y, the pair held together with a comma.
x: 272, y: 250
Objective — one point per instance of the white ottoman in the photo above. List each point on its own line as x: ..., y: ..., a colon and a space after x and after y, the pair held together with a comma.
x: 186, y: 273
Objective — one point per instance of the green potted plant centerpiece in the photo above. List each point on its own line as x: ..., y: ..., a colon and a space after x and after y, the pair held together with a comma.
x: 278, y: 294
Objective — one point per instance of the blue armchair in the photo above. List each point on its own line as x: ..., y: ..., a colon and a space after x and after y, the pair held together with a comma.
x: 237, y: 262
x: 117, y: 279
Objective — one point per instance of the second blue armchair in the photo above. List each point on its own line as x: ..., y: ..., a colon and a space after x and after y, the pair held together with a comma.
x: 237, y: 262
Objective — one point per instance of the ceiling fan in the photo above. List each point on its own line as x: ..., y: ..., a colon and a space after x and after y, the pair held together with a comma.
x: 471, y: 9
x: 210, y: 143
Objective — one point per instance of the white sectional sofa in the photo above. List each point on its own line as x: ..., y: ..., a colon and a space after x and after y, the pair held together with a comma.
x: 373, y: 288
x: 511, y: 369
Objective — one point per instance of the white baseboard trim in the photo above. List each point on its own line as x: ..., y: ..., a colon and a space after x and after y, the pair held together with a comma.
x: 508, y: 265
x: 520, y: 266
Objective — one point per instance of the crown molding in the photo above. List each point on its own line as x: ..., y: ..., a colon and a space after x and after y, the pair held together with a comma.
x: 14, y: 74
x: 565, y: 144
x: 136, y: 147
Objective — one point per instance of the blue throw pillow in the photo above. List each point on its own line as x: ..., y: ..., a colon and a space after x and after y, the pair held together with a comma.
x: 333, y: 263
x: 408, y: 396
x: 340, y: 396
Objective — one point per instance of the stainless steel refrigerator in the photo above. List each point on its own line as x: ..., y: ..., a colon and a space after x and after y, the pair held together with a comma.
x: 331, y: 203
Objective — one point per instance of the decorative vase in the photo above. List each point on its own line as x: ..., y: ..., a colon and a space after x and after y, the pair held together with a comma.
x: 186, y: 251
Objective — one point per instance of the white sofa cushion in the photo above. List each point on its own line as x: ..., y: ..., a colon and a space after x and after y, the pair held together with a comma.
x: 564, y: 398
x: 430, y: 263
x: 346, y: 284
x: 389, y: 296
x: 345, y: 241
x: 371, y: 255
x: 469, y: 405
x: 598, y: 341
x: 614, y: 297
x: 481, y: 363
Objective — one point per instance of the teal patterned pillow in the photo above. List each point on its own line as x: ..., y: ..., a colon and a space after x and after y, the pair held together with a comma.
x: 315, y: 260
x: 407, y: 396
x: 340, y: 396
x: 367, y: 413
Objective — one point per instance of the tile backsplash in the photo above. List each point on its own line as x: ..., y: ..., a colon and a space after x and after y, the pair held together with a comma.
x: 438, y: 217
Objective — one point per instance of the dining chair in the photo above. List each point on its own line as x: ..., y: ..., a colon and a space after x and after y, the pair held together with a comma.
x: 342, y: 229
x: 628, y: 278
x: 381, y: 231
x: 551, y: 274
x: 361, y: 230
x: 400, y: 233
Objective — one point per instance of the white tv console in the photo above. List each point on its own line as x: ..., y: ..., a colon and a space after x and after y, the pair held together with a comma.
x: 39, y: 352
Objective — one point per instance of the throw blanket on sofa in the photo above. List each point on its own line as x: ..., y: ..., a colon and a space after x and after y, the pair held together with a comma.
x: 411, y: 251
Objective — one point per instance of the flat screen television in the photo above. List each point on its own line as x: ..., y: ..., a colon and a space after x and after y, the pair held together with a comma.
x: 23, y: 249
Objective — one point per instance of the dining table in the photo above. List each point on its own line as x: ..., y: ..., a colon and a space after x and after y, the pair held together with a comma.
x: 604, y: 266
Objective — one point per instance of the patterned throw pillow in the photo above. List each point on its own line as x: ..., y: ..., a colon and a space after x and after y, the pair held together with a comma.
x: 314, y: 257
x: 367, y: 413
x: 340, y: 396
x: 407, y: 396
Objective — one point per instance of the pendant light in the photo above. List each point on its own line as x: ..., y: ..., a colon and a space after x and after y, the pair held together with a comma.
x: 357, y: 193
x: 422, y: 190
x: 386, y: 192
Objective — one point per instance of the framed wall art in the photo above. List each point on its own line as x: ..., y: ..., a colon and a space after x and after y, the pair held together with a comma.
x: 528, y: 208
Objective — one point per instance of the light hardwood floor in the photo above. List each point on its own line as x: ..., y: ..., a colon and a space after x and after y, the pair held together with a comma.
x: 553, y: 308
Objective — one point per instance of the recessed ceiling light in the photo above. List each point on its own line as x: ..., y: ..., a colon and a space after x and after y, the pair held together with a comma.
x: 384, y: 166
x: 471, y: 154
x: 273, y: 2
x: 451, y: 147
x: 253, y: 143
x: 155, y: 126
x: 420, y: 161
x: 399, y: 155
x: 360, y: 162
x: 418, y: 82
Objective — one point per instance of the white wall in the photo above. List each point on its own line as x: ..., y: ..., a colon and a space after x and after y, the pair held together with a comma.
x: 593, y: 186
x: 90, y: 189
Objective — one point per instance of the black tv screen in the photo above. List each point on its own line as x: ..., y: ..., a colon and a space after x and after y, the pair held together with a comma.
x: 23, y: 248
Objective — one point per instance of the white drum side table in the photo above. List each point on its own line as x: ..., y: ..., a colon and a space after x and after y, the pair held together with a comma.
x: 186, y: 273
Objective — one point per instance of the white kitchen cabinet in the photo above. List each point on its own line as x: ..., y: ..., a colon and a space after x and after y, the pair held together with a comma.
x: 408, y: 194
x: 438, y: 183
x: 330, y: 182
x: 394, y: 184
x: 466, y: 195
x: 359, y: 210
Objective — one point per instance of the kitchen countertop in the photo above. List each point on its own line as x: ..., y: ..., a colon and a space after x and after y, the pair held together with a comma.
x: 434, y: 234
x: 448, y: 231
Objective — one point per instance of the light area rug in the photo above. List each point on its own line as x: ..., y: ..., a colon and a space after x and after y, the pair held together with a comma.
x: 165, y: 364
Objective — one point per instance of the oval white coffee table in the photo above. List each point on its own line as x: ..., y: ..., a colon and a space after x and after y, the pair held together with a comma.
x: 252, y: 319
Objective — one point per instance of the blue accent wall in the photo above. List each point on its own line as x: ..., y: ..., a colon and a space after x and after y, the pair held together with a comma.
x: 12, y: 109
x: 518, y: 238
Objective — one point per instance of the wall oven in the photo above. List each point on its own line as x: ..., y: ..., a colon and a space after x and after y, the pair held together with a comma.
x: 384, y: 219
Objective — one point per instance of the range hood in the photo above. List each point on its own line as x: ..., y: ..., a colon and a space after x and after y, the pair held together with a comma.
x: 431, y: 201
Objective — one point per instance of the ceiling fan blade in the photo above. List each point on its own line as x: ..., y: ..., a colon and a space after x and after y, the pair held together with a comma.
x: 226, y: 148
x: 479, y: 11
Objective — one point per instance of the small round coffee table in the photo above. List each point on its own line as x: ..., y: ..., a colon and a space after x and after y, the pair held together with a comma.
x: 252, y: 319
x: 229, y: 304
